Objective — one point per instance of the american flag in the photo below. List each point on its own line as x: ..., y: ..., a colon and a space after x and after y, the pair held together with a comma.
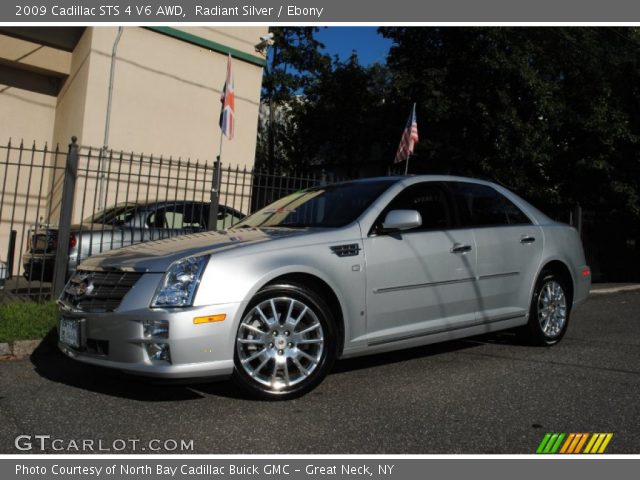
x: 228, y: 104
x: 409, y: 138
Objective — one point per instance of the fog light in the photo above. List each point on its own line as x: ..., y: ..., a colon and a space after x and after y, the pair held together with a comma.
x: 158, y: 351
x: 156, y: 328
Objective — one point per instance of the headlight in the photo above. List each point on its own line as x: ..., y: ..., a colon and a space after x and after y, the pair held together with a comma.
x: 179, y: 284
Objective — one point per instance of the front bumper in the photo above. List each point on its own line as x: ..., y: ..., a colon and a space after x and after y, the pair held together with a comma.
x: 117, y: 339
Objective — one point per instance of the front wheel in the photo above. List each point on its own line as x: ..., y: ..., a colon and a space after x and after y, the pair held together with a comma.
x: 285, y: 344
x: 549, y: 311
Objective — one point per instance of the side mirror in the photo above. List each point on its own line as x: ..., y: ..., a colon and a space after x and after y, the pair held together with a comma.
x: 399, y: 220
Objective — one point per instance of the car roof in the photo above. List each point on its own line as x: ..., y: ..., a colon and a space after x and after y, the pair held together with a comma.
x: 419, y: 178
x: 406, y: 180
x: 159, y: 202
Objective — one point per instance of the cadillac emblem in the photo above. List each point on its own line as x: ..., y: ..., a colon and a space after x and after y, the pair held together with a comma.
x: 80, y: 285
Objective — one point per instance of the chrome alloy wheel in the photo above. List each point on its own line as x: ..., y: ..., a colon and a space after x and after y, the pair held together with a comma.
x: 280, y: 342
x: 552, y: 308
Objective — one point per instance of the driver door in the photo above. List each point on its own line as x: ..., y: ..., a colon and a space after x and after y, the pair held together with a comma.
x: 420, y: 281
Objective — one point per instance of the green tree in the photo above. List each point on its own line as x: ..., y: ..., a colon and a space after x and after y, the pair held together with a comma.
x: 293, y: 60
x: 551, y: 112
x: 340, y: 124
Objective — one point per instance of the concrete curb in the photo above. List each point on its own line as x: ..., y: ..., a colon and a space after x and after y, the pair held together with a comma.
x: 19, y: 348
x: 621, y: 288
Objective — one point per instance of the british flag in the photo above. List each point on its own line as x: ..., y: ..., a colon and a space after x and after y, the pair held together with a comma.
x: 228, y: 104
x: 409, y: 138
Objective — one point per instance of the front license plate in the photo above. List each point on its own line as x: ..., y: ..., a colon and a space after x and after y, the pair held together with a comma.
x: 70, y: 332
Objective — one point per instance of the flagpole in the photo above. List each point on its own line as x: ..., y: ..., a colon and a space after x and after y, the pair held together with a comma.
x: 215, y: 188
x: 219, y: 162
x: 413, y: 115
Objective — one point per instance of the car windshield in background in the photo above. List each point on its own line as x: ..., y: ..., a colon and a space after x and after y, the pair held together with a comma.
x: 118, y: 215
x: 330, y: 206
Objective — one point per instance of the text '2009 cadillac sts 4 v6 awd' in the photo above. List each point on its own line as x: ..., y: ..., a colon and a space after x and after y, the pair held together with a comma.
x: 331, y: 272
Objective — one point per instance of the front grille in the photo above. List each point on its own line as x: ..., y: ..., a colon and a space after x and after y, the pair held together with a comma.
x: 98, y: 292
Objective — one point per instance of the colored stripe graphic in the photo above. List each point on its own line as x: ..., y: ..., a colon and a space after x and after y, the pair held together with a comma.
x: 550, y: 443
x: 543, y: 443
x: 567, y: 443
x: 598, y: 443
x: 581, y: 443
x: 573, y: 443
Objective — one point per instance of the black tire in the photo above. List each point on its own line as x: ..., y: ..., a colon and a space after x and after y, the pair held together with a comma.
x: 282, y: 348
x: 556, y: 313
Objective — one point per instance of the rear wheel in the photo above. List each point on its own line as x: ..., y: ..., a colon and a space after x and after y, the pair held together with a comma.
x: 285, y: 344
x: 549, y: 311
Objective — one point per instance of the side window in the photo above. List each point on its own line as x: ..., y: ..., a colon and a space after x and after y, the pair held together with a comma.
x: 173, y: 218
x: 193, y: 217
x: 156, y: 219
x: 431, y: 200
x: 169, y: 217
x: 481, y: 205
x: 226, y: 219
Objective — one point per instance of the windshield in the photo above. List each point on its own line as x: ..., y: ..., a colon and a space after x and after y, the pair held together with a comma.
x: 329, y: 206
x: 119, y: 215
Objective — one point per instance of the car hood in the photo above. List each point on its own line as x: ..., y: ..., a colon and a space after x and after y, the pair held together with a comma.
x: 158, y: 255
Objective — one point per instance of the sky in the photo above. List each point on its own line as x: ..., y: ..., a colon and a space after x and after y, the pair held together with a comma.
x: 368, y: 44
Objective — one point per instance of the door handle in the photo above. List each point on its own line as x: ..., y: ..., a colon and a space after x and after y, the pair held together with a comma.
x: 460, y: 248
x: 527, y: 239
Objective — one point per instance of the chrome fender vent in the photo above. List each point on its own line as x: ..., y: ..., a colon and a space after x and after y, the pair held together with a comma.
x: 350, y: 250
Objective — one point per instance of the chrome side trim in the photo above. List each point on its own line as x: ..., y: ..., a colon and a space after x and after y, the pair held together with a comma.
x: 500, y: 318
x: 446, y: 282
x: 422, y: 285
x: 498, y: 275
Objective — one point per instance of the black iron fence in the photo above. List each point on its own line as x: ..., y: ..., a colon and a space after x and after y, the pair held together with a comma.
x: 58, y: 207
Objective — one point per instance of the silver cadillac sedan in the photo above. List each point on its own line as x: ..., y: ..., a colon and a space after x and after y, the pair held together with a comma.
x: 331, y: 272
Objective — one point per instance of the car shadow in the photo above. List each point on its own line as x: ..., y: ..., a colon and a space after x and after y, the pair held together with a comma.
x: 369, y: 361
x: 52, y: 365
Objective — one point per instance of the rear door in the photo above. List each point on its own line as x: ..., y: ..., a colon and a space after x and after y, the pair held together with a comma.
x: 420, y: 281
x: 509, y: 250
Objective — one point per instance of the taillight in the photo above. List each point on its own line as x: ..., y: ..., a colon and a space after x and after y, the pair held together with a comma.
x: 73, y: 241
x: 586, y: 271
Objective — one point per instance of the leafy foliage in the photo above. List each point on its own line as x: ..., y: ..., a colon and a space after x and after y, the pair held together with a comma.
x: 552, y: 113
x: 294, y: 59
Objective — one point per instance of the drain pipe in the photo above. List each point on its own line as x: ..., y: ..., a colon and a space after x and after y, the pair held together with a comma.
x: 105, y: 143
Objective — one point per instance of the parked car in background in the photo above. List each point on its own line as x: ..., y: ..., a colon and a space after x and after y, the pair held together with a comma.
x: 118, y: 226
x: 330, y: 272
x: 4, y: 274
